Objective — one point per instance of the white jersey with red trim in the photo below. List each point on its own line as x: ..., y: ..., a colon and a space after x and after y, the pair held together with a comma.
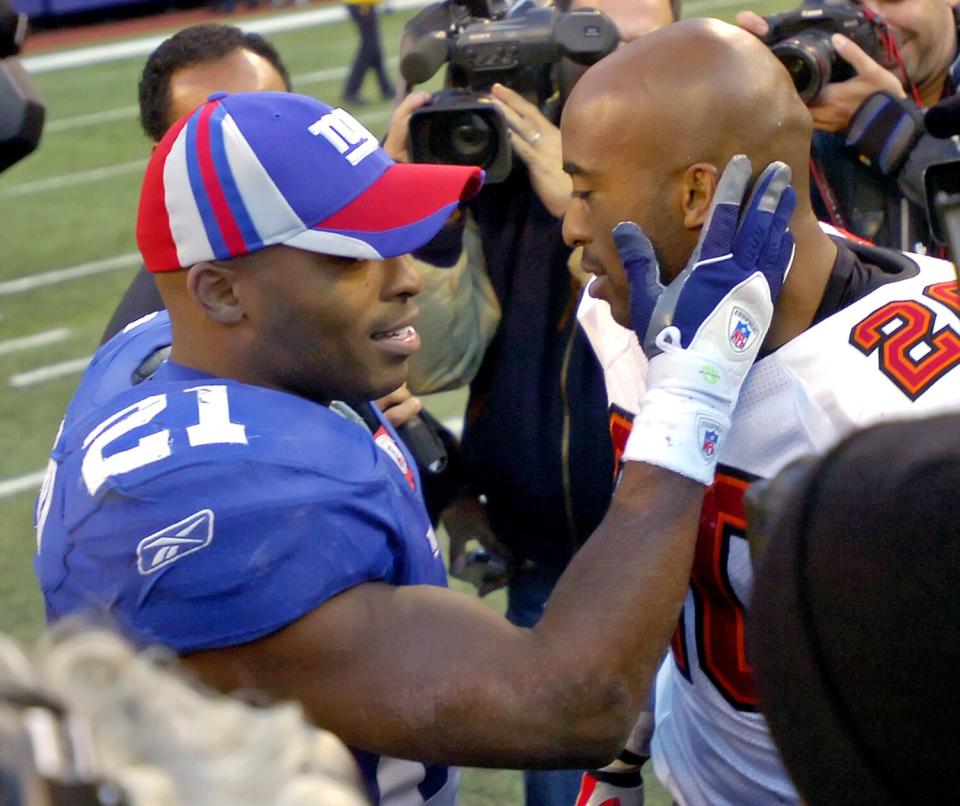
x: 890, y: 354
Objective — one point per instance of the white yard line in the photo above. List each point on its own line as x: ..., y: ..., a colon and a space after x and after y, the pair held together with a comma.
x: 78, y: 57
x: 78, y: 178
x: 91, y: 119
x: 36, y: 340
x: 22, y: 484
x: 20, y: 284
x: 50, y: 372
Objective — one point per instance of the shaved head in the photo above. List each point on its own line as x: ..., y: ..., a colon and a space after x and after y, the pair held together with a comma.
x: 699, y: 90
x: 648, y: 130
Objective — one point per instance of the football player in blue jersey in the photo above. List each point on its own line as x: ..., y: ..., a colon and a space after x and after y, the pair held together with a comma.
x: 233, y: 508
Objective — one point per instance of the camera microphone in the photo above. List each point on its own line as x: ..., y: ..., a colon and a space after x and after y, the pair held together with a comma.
x: 943, y: 120
x: 425, y: 56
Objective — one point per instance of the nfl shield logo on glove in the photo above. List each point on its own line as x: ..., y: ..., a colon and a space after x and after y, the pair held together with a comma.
x: 741, y: 330
x: 708, y: 438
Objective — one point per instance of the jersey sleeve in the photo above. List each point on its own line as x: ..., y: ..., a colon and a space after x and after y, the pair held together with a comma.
x: 250, y: 549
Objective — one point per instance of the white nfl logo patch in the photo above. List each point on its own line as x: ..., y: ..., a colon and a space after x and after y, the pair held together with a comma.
x: 175, y: 542
x: 708, y: 433
x: 741, y: 330
x: 386, y: 442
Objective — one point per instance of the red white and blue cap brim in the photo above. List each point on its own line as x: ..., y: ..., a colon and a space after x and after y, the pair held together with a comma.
x: 252, y: 170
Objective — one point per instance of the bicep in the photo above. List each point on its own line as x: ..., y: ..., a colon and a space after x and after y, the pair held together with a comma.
x: 414, y: 671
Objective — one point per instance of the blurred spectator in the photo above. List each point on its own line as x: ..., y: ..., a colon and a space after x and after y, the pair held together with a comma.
x: 84, y: 713
x: 538, y: 466
x: 179, y: 76
x: 853, y: 626
x: 870, y: 149
x: 860, y: 334
x: 369, y: 56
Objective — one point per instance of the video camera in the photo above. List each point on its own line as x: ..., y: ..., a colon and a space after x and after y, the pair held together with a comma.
x: 483, y: 43
x: 21, y: 110
x: 800, y: 39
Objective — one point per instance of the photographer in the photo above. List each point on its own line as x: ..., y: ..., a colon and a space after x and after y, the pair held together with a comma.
x: 870, y: 150
x: 536, y: 449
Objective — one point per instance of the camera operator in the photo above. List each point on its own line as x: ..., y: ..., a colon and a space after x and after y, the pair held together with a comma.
x: 870, y: 150
x: 536, y: 451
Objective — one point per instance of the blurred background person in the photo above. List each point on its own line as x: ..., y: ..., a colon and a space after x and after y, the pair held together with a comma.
x: 366, y: 17
x: 86, y: 719
x: 179, y: 75
x: 854, y: 620
x: 870, y: 149
x: 537, y: 462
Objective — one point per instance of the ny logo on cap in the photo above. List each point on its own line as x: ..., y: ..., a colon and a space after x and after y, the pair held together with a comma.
x: 346, y: 134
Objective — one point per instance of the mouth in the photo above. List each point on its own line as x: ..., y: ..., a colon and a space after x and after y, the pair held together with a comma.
x: 591, y: 266
x: 402, y: 340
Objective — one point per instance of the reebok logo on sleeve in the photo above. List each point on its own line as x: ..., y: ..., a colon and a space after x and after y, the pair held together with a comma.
x: 175, y: 542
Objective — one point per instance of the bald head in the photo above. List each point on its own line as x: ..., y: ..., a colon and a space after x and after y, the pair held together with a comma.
x: 698, y: 90
x: 646, y: 134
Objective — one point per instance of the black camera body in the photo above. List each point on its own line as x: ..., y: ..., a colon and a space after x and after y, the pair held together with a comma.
x: 800, y: 39
x: 520, y: 49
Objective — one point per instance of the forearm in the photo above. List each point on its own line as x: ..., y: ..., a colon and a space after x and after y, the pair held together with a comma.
x: 467, y: 687
x: 631, y: 578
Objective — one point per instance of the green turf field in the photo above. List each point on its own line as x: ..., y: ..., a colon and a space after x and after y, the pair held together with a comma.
x: 71, y: 206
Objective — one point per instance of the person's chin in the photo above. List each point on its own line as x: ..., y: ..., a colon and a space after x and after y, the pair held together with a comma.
x: 602, y: 289
x: 622, y: 318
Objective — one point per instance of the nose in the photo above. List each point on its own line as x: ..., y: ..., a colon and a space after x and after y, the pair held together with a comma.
x: 575, y: 231
x: 402, y: 277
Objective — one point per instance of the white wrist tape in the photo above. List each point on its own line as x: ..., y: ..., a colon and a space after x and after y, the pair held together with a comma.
x: 679, y: 432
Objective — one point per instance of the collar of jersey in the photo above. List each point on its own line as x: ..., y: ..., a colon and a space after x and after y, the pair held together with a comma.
x: 171, y: 371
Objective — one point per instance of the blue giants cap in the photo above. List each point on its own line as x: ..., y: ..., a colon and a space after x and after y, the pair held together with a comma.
x: 251, y: 170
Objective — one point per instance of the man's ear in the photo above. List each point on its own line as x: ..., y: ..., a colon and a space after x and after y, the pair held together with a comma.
x: 699, y: 183
x: 210, y: 286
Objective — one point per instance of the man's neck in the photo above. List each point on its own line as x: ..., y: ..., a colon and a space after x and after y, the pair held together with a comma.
x: 805, y: 285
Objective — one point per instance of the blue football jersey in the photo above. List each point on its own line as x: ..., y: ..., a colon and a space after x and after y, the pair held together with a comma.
x: 199, y: 512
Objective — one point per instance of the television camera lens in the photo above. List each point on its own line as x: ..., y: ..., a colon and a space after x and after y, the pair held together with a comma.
x: 472, y: 136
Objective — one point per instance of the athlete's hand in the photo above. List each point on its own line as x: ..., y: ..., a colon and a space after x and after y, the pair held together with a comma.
x: 399, y: 406
x: 734, y: 250
x: 398, y: 131
x: 466, y: 519
x: 837, y: 103
x: 537, y: 142
x: 703, y: 332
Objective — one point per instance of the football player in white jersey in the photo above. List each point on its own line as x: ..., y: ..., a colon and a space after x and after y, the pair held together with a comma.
x: 859, y: 335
